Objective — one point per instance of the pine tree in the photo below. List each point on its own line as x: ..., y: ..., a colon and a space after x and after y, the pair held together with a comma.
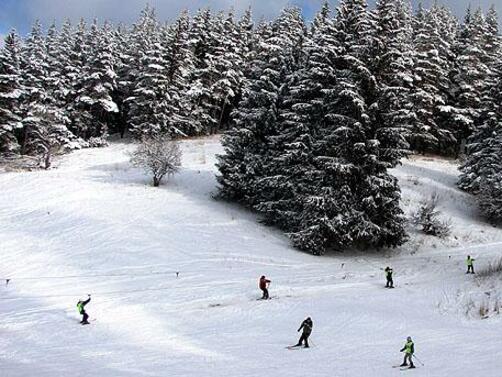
x: 179, y: 66
x: 11, y: 94
x: 203, y: 40
x: 393, y: 69
x: 490, y: 193
x: 484, y: 99
x: 257, y: 118
x: 429, y: 94
x: 138, y: 43
x: 94, y: 101
x: 291, y: 173
x: 355, y: 27
x: 123, y: 65
x: 470, y: 76
x: 347, y: 196
x: 229, y: 63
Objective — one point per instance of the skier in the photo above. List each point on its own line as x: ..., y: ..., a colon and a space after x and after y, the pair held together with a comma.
x: 388, y: 275
x: 409, y: 350
x: 264, y: 282
x: 81, y: 309
x: 307, y: 330
x: 470, y: 265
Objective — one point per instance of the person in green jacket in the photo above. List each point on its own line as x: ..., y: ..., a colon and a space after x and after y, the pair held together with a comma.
x: 81, y: 309
x: 409, y: 350
x: 470, y: 265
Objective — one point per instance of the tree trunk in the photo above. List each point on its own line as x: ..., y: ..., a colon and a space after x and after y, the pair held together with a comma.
x: 156, y: 181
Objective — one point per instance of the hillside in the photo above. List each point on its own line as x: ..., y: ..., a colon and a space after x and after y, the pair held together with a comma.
x: 93, y: 225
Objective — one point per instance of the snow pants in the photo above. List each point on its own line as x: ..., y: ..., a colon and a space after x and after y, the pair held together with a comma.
x: 470, y: 269
x: 265, y: 294
x: 408, y: 357
x: 85, y: 318
x: 304, y: 338
x: 390, y: 283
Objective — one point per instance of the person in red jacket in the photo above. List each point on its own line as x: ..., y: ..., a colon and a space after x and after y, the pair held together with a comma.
x: 264, y: 282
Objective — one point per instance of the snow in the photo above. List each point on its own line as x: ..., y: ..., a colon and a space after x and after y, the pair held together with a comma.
x: 94, y: 225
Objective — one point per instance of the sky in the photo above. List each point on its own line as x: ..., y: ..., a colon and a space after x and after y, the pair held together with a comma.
x: 20, y: 14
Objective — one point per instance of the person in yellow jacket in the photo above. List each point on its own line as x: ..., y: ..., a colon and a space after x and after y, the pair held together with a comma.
x: 470, y: 265
x: 409, y: 350
x: 81, y: 310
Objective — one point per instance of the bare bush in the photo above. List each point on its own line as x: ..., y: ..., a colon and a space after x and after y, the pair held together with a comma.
x: 427, y: 216
x: 493, y: 268
x: 158, y: 156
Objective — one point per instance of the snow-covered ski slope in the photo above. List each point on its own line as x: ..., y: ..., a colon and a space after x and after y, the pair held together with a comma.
x: 92, y: 225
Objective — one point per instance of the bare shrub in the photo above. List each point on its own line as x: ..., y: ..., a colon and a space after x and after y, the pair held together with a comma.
x: 158, y: 156
x: 484, y: 309
x: 493, y: 268
x: 427, y: 216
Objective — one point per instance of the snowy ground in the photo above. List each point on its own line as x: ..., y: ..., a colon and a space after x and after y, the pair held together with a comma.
x: 93, y: 225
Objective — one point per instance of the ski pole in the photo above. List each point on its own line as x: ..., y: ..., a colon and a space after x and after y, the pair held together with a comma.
x: 415, y: 356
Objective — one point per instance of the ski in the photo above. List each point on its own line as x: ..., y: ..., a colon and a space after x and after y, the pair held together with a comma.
x: 266, y: 299
x: 293, y: 347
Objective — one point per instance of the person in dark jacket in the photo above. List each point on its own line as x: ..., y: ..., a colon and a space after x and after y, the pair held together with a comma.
x: 388, y: 275
x: 264, y: 282
x: 307, y: 330
x: 81, y: 309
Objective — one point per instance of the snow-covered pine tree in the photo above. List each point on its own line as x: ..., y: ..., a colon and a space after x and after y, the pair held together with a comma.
x: 11, y: 94
x: 485, y: 82
x: 248, y: 42
x: 44, y: 129
x: 204, y: 38
x: 257, y: 118
x: 59, y: 86
x: 139, y: 41
x: 179, y: 66
x: 490, y: 191
x: 346, y: 196
x: 493, y: 43
x: 483, y: 168
x: 290, y: 172
x: 94, y: 101
x: 355, y: 27
x: 123, y: 64
x: 470, y: 76
x: 151, y: 110
x: 393, y: 69
x: 229, y: 64
x: 77, y: 57
x: 429, y: 94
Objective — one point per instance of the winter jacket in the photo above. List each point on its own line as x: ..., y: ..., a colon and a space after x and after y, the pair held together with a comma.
x: 81, y: 305
x: 470, y: 261
x: 263, y: 283
x: 306, y: 326
x: 388, y: 273
x: 409, y: 348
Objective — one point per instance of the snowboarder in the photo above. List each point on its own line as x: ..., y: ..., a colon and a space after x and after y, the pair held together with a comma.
x: 307, y: 330
x: 470, y: 265
x: 409, y: 350
x: 264, y: 282
x: 81, y: 309
x: 388, y: 276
